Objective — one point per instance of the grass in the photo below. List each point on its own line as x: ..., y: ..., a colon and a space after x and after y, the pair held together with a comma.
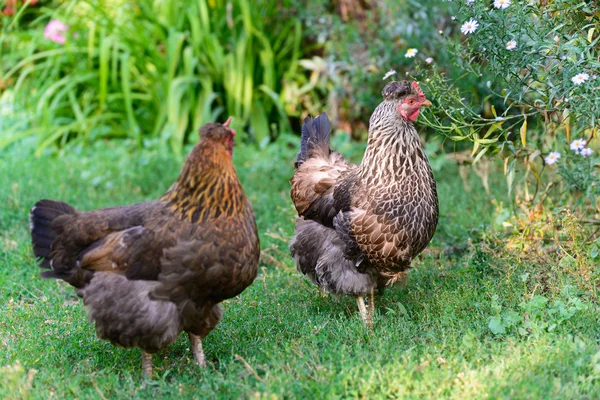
x: 463, y: 325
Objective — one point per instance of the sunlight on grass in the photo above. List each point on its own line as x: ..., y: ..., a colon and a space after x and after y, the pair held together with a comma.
x: 432, y: 338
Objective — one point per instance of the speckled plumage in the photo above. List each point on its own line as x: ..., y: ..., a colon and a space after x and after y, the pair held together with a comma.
x: 370, y: 219
x: 149, y: 271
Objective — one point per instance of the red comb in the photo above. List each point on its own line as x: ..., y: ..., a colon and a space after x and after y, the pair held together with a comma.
x: 415, y: 85
x: 226, y: 125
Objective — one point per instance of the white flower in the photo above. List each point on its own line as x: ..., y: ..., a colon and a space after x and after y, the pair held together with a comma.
x: 470, y: 2
x: 580, y: 78
x: 429, y: 60
x: 577, y: 145
x: 501, y: 4
x: 552, y: 157
x: 586, y: 151
x: 511, y: 45
x: 410, y: 53
x: 391, y: 72
x: 469, y: 27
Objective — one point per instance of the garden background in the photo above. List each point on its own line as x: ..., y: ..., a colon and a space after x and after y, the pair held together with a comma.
x: 100, y: 102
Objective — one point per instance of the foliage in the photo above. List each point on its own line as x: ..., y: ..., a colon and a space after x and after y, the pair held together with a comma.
x: 280, y: 338
x: 354, y: 55
x: 538, y: 71
x: 150, y: 69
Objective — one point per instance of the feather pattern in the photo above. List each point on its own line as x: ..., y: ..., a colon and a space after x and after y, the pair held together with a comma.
x: 378, y: 216
x: 152, y: 270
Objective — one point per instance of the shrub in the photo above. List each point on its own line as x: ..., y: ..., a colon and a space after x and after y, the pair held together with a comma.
x: 538, y: 71
x: 355, y: 54
x: 150, y: 68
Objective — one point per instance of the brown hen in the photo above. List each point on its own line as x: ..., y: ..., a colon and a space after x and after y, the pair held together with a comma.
x: 360, y: 226
x: 149, y: 271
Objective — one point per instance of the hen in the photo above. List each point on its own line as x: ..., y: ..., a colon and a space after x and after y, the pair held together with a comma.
x: 149, y: 271
x: 360, y: 226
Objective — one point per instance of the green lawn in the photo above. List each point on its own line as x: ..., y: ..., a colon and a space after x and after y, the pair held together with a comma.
x: 463, y: 325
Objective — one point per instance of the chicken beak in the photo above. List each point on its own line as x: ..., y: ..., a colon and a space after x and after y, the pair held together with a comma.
x: 426, y: 103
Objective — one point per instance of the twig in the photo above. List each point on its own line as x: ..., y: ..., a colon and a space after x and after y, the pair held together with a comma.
x: 591, y: 237
x: 273, y: 260
x: 97, y: 388
x: 249, y: 367
x: 591, y: 221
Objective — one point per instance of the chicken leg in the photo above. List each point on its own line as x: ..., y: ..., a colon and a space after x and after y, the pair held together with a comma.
x: 366, y: 316
x: 197, y: 349
x: 147, y: 364
x: 371, y: 309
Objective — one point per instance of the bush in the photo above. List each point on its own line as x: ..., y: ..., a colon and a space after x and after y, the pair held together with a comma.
x: 150, y: 68
x: 357, y: 52
x: 537, y: 70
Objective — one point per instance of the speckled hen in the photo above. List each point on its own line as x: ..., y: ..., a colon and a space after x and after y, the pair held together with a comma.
x: 149, y: 271
x: 360, y: 226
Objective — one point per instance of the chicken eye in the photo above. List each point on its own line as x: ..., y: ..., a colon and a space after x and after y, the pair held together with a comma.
x: 411, y: 102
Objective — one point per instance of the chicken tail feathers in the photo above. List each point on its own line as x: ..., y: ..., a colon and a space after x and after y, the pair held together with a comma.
x: 315, y: 138
x: 42, y: 234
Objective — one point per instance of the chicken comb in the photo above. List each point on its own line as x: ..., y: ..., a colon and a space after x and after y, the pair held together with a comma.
x: 226, y: 125
x: 396, y: 90
x: 420, y: 93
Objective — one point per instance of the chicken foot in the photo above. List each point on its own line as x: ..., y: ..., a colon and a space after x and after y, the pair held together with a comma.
x: 147, y: 364
x: 197, y: 350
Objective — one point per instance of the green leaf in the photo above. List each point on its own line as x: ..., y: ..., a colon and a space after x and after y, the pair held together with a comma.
x: 496, y: 325
x: 480, y: 154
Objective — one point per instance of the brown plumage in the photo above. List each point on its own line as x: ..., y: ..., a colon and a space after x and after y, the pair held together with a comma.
x: 149, y: 271
x: 360, y: 226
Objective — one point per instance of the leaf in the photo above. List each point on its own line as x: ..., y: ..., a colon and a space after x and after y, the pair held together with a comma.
x: 487, y: 141
x: 511, y: 318
x: 259, y: 123
x: 590, y: 35
x: 510, y: 176
x: 481, y: 153
x: 284, y: 121
x: 496, y: 325
x: 103, y: 68
x: 523, y: 331
x: 523, y: 132
x: 402, y: 309
x: 127, y: 95
x: 567, y: 122
x: 475, y: 144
